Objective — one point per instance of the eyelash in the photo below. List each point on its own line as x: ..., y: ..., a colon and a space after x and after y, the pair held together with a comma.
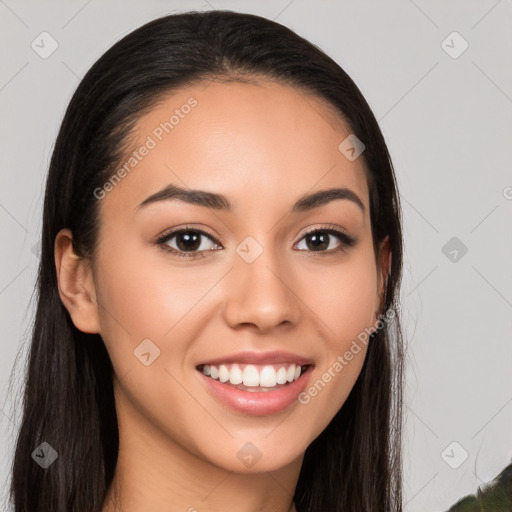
x: 347, y: 241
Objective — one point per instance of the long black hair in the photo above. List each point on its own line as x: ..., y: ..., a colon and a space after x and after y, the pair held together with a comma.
x: 68, y: 399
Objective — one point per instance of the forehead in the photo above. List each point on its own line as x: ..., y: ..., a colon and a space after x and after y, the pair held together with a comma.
x: 264, y: 141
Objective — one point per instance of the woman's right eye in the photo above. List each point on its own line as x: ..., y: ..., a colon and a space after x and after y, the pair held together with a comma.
x: 187, y: 241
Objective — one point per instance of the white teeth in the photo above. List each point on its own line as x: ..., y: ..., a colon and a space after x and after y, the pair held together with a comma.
x: 235, y: 375
x: 251, y: 376
x: 223, y: 373
x: 281, y: 376
x: 267, y: 376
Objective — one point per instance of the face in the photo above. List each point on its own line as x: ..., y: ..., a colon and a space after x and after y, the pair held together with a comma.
x: 259, y: 277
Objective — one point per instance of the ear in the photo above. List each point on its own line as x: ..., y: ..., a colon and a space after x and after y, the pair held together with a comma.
x: 384, y: 267
x: 76, y: 284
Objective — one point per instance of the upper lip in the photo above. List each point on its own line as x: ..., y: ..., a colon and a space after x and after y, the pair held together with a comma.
x: 278, y: 356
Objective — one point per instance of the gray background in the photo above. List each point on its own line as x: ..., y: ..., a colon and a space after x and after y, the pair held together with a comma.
x: 447, y: 123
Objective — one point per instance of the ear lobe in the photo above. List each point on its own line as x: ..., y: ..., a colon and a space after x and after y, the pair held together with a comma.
x: 76, y: 284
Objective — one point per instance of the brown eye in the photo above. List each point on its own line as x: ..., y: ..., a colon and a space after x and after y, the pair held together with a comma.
x: 320, y: 240
x: 188, y: 242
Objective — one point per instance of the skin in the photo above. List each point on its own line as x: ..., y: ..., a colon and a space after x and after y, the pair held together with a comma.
x: 262, y: 145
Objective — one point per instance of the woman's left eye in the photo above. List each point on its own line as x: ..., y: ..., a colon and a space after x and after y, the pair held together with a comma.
x: 319, y: 238
x: 189, y: 243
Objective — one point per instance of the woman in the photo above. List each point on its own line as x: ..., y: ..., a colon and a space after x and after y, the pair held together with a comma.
x: 217, y: 324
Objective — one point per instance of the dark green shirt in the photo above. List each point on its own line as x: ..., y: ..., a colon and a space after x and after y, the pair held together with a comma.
x: 495, y: 497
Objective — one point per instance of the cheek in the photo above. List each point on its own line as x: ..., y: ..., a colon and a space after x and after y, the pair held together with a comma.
x: 143, y: 296
x: 344, y: 298
x: 344, y: 301
x: 143, y: 293
x: 131, y: 297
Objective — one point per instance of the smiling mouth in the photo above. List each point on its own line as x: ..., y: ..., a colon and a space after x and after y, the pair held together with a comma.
x: 255, y: 378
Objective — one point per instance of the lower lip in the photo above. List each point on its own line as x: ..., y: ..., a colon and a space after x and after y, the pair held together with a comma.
x: 257, y: 403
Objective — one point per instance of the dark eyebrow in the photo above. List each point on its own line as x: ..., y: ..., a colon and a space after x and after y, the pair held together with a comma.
x: 316, y: 199
x: 220, y: 202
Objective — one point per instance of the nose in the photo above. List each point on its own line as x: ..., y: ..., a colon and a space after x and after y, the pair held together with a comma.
x: 262, y: 294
